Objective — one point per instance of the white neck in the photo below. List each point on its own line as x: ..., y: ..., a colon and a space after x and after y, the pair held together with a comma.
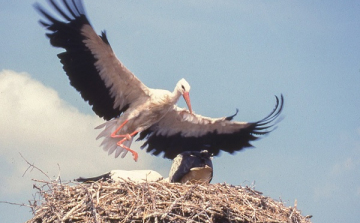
x: 175, y: 95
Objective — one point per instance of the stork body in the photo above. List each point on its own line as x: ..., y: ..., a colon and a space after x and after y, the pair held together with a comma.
x: 138, y: 176
x: 148, y: 111
x: 129, y: 106
x: 192, y: 166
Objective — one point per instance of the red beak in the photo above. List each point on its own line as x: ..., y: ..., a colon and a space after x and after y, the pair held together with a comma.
x: 187, y: 100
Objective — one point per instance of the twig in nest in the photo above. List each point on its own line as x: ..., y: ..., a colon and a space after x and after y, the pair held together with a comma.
x: 162, y: 202
x: 17, y: 204
x: 33, y: 167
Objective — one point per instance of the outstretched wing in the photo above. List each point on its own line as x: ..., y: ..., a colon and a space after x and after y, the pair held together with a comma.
x: 181, y: 131
x: 90, y: 62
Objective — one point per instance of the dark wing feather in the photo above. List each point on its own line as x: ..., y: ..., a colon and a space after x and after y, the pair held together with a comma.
x: 88, y: 60
x: 179, y: 131
x: 229, y: 118
x: 103, y: 177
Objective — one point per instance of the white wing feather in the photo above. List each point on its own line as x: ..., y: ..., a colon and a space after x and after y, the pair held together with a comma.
x: 179, y: 120
x: 124, y: 86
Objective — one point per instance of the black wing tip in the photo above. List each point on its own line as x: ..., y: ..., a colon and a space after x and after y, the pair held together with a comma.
x: 103, y: 177
x: 73, y: 9
x: 267, y: 124
x: 229, y: 118
x: 42, y: 11
x: 64, y: 20
x: 170, y: 148
x: 104, y: 38
x: 80, y: 179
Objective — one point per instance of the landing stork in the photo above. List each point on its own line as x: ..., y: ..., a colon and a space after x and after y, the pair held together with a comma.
x: 129, y: 106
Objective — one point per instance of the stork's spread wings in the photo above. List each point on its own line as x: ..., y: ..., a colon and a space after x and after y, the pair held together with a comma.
x: 181, y: 131
x: 90, y: 63
x: 111, y: 89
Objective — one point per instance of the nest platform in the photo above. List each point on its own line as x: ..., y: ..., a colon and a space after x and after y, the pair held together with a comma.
x: 104, y: 201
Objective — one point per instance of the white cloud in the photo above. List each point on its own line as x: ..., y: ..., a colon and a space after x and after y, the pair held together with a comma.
x: 48, y: 131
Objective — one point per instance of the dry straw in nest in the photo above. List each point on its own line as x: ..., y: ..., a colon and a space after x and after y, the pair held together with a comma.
x: 157, y: 202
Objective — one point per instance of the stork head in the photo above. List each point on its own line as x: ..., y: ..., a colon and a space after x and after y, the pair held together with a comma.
x: 184, y: 87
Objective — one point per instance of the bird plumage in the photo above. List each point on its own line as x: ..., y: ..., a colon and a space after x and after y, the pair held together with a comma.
x: 138, y: 176
x: 179, y: 131
x: 128, y: 105
x: 191, y: 166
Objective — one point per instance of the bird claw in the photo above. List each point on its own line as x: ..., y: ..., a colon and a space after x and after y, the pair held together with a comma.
x: 135, y: 154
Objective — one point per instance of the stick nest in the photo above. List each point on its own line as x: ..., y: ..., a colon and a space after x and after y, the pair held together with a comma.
x: 104, y: 201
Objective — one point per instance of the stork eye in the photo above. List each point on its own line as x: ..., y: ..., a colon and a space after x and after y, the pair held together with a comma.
x: 182, y: 86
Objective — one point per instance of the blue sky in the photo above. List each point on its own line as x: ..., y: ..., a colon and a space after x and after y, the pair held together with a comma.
x: 234, y: 54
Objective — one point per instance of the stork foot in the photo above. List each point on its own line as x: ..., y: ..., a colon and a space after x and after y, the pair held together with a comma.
x: 125, y: 137
x: 120, y: 143
x: 134, y: 154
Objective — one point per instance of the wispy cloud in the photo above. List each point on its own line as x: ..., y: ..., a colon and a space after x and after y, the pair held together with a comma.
x: 48, y: 131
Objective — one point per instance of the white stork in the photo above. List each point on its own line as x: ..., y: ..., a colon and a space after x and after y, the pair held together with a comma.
x: 129, y: 106
x: 138, y: 176
x: 192, y: 166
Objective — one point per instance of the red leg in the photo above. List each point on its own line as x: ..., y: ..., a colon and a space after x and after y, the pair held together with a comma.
x: 124, y: 138
x: 128, y: 137
x: 114, y: 135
